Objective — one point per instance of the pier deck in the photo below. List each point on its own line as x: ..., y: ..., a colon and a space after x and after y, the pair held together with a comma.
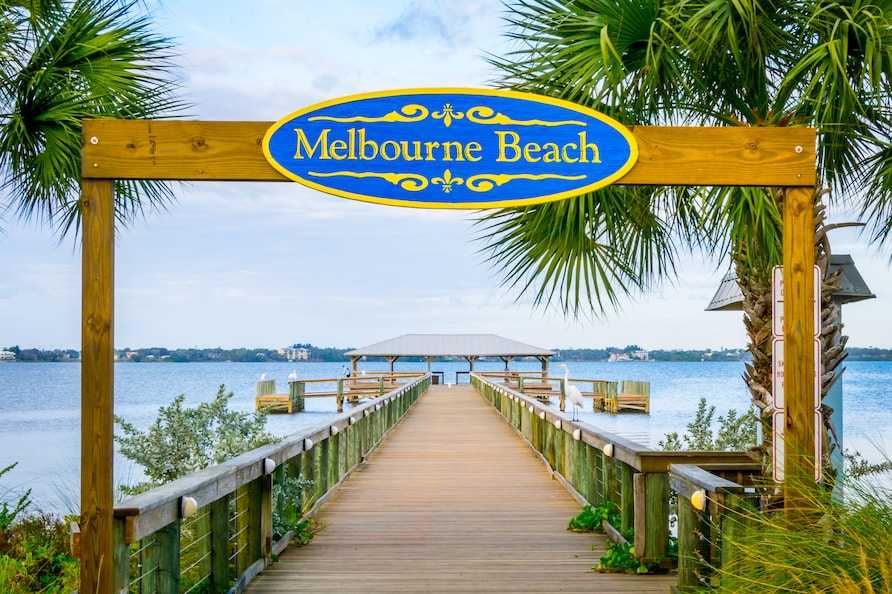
x: 453, y: 500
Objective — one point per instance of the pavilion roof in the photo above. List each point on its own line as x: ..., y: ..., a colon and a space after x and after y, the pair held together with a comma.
x: 450, y: 345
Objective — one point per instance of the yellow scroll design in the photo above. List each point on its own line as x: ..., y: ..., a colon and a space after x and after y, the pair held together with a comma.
x: 410, y: 182
x: 407, y: 114
x: 486, y: 115
x: 487, y: 181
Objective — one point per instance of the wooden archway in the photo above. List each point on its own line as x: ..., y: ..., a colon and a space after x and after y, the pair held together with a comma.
x: 231, y: 151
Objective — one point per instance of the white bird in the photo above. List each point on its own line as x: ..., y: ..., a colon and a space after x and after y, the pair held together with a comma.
x: 262, y: 376
x: 292, y: 376
x: 572, y: 392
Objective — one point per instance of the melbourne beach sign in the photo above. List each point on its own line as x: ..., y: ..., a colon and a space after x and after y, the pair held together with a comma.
x: 450, y: 148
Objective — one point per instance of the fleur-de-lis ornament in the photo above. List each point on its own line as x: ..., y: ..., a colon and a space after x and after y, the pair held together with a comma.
x: 448, y: 114
x: 447, y: 181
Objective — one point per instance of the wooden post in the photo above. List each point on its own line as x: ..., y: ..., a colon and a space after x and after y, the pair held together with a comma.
x: 799, y: 359
x: 97, y: 386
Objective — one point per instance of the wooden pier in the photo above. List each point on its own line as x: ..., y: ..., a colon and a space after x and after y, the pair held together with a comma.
x: 454, y: 500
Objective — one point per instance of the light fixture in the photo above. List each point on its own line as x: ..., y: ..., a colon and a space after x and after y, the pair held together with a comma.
x: 608, y: 450
x: 531, y: 408
x: 557, y: 423
x: 188, y: 507
x: 352, y: 420
x: 269, y: 466
x: 542, y: 415
x: 335, y: 430
x: 308, y: 444
x: 698, y: 499
x: 577, y: 434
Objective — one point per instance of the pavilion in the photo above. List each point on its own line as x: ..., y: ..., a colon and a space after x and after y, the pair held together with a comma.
x: 470, y: 347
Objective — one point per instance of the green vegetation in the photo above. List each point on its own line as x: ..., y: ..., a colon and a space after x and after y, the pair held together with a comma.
x: 184, y: 440
x: 288, y: 510
x: 839, y: 546
x: 34, y: 553
x: 619, y: 556
x: 590, y: 518
x: 736, y: 432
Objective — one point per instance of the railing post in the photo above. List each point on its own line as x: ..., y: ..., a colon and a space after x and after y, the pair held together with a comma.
x: 219, y: 537
x: 693, y: 545
x: 121, y: 549
x: 627, y: 498
x: 651, y: 514
x: 168, y: 542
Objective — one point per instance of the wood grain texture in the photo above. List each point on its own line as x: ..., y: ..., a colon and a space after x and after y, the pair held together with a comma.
x: 799, y: 357
x: 452, y: 501
x: 97, y: 387
x: 232, y: 151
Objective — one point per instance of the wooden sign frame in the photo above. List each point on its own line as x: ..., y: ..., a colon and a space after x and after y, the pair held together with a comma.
x: 231, y: 151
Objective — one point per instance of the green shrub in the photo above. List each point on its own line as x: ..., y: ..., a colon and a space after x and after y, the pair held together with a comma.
x: 590, y: 518
x: 34, y: 556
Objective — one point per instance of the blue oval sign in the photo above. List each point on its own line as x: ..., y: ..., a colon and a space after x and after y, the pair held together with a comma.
x: 450, y: 148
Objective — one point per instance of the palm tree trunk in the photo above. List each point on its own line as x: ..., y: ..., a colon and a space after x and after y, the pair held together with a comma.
x: 755, y: 284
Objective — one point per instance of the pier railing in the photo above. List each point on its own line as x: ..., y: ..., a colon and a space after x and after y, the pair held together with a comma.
x: 214, y: 530
x: 599, y: 466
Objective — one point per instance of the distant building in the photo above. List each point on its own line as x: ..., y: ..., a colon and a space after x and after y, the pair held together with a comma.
x: 633, y: 356
x: 7, y: 356
x: 299, y: 354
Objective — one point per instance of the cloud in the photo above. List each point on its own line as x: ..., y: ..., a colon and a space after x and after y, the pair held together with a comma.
x: 418, y: 22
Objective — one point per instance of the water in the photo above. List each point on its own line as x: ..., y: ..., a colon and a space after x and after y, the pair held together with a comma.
x: 40, y: 404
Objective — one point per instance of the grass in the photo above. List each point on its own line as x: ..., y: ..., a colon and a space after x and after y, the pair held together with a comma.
x: 840, y: 546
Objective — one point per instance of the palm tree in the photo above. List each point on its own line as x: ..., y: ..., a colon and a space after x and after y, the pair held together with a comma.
x: 62, y: 62
x: 820, y: 64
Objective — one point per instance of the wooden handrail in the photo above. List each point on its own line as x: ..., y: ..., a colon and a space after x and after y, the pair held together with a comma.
x: 325, y: 453
x: 628, y: 474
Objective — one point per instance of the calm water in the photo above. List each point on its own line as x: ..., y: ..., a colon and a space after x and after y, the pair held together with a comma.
x: 40, y: 404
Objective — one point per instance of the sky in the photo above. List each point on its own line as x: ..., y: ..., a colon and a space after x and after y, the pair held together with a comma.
x: 268, y: 265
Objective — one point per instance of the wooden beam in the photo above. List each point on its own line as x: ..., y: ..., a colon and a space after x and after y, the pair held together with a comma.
x: 97, y: 386
x: 232, y: 151
x: 799, y: 340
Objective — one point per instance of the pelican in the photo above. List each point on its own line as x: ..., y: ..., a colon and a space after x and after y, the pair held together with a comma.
x: 572, y: 392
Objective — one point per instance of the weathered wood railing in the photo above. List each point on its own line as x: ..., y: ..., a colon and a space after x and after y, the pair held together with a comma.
x: 212, y: 531
x: 604, y: 394
x: 366, y: 385
x: 714, y: 501
x: 598, y: 466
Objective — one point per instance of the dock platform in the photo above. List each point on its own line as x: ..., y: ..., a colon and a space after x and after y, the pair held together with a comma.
x: 452, y: 500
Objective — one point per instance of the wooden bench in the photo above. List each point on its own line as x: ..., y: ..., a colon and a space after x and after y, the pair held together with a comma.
x: 265, y: 397
x: 632, y: 396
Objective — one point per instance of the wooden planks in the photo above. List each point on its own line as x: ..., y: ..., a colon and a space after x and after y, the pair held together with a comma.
x: 451, y: 501
x: 206, y: 150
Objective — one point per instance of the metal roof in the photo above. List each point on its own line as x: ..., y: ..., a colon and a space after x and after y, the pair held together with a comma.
x: 450, y: 345
x: 852, y: 286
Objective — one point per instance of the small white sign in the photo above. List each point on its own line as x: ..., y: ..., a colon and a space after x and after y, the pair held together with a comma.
x: 777, y: 373
x: 778, y: 445
x: 777, y: 301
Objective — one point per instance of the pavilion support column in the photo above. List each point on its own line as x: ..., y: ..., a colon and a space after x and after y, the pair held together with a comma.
x: 97, y: 386
x: 799, y: 341
x: 471, y: 359
x: 507, y: 360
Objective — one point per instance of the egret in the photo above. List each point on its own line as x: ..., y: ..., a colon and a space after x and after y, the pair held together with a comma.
x: 262, y: 376
x: 292, y: 376
x: 572, y: 393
